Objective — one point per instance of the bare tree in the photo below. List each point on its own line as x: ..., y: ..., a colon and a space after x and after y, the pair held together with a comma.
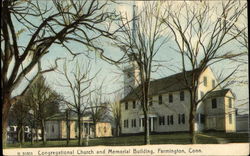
x: 67, y: 111
x: 140, y: 45
x: 202, y: 42
x: 115, y: 109
x: 43, y: 101
x: 78, y: 82
x: 19, y: 116
x: 42, y: 24
x: 98, y: 108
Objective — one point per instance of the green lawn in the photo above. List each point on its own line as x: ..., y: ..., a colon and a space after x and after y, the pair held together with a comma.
x: 178, y: 138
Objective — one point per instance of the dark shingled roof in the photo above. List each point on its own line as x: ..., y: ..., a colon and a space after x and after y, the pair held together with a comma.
x: 218, y: 93
x: 171, y: 83
x: 60, y: 116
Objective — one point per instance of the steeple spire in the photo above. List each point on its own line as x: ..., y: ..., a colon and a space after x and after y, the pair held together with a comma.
x: 134, y: 24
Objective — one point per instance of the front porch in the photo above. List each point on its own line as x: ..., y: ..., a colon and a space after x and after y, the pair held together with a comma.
x: 152, y: 122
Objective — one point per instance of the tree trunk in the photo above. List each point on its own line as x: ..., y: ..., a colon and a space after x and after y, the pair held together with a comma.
x: 117, y: 129
x: 36, y: 135
x: 43, y: 131
x: 19, y: 136
x: 192, y: 120
x: 192, y: 128
x: 87, y: 136
x: 95, y: 130
x: 79, y: 131
x: 5, y: 115
x: 146, y: 129
x: 31, y: 136
x: 22, y: 134
x: 68, y: 127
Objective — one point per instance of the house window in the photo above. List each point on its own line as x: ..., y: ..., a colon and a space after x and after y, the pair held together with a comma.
x: 150, y: 101
x: 133, y: 104
x: 161, y: 120
x: 202, y: 118
x: 125, y: 123
x: 214, y: 103
x: 170, y: 98
x: 52, y: 129
x: 181, y: 119
x: 126, y: 105
x: 213, y: 83
x: 160, y: 99
x: 171, y: 119
x: 230, y: 102
x: 133, y: 123
x: 168, y: 120
x: 105, y: 130
x: 205, y: 81
x: 182, y: 96
x: 230, y: 119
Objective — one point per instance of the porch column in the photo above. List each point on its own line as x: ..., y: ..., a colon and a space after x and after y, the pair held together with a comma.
x: 141, y: 124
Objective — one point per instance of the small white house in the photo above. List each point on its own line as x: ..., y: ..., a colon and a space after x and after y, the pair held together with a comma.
x: 56, y: 127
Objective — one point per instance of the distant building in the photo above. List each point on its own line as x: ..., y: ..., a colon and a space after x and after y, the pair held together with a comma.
x: 56, y: 127
x: 169, y: 103
x: 12, y: 133
x: 242, y: 123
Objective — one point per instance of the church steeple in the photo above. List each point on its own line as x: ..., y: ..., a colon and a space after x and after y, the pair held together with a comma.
x: 131, y: 72
x: 134, y: 18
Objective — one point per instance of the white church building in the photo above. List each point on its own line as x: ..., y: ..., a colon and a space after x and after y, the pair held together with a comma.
x: 169, y: 105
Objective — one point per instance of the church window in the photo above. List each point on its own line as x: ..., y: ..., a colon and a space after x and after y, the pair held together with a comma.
x: 230, y: 102
x: 170, y: 98
x: 230, y: 119
x: 160, y: 99
x: 205, y: 81
x: 134, y: 104
x: 214, y: 103
x: 182, y: 95
x: 126, y: 105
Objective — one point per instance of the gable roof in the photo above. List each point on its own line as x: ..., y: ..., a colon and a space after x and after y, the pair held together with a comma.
x: 219, y: 93
x: 60, y: 116
x: 171, y: 83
